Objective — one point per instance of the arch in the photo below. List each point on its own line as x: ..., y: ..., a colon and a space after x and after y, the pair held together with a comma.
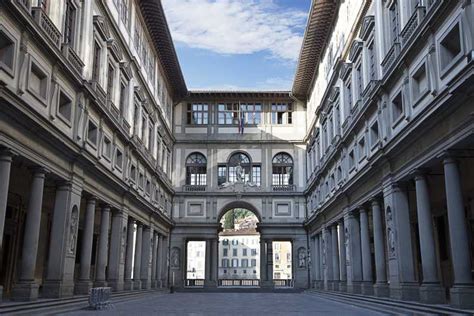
x: 282, y: 158
x: 196, y: 169
x: 242, y: 154
x: 239, y: 160
x: 282, y: 169
x: 238, y: 204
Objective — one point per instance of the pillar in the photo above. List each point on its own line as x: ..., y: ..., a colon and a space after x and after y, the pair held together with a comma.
x: 63, y: 239
x: 128, y: 283
x: 103, y: 251
x: 137, y: 283
x: 5, y: 167
x: 26, y: 288
x: 327, y: 259
x: 208, y: 263
x: 335, y: 258
x: 154, y: 255
x: 317, y: 262
x: 84, y: 282
x: 342, y: 259
x: 381, y: 286
x: 118, y: 238
x: 145, y: 266
x: 353, y: 253
x: 403, y: 285
x: 322, y: 261
x: 263, y: 261
x: 462, y: 292
x: 159, y: 261
x: 215, y: 260
x: 367, y: 286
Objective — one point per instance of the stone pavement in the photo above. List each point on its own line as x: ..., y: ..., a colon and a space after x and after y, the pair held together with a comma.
x: 247, y: 304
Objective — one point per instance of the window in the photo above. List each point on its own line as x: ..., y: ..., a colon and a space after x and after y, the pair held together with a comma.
x: 397, y: 107
x: 196, y: 169
x: 110, y: 81
x: 148, y: 187
x: 133, y: 173
x: 349, y: 94
x: 124, y: 11
x: 136, y: 115
x: 96, y: 62
x: 123, y: 98
x: 144, y: 124
x: 360, y: 80
x: 282, y: 169
x: 394, y: 21
x: 372, y: 61
x: 225, y: 252
x: 69, y: 23
x: 351, y: 160
x: 252, y: 113
x: 197, y: 114
x: 92, y: 132
x: 362, y: 151
x: 239, y: 161
x: 253, y: 252
x: 65, y: 106
x: 235, y: 264
x: 225, y: 263
x: 419, y: 83
x: 244, y: 252
x: 282, y: 113
x: 450, y: 47
x: 107, y: 148
x: 225, y: 242
x: 253, y: 263
x: 244, y: 263
x: 221, y: 174
x: 38, y: 81
x: 374, y: 134
x: 228, y: 114
x: 234, y: 252
x: 141, y: 180
x: 7, y: 51
x: 118, y: 159
x: 256, y: 175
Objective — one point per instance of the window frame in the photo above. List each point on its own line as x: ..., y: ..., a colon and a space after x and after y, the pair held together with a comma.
x: 190, y: 163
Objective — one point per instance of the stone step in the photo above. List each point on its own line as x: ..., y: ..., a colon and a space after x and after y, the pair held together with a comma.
x: 238, y: 290
x: 387, y: 304
x: 46, y: 306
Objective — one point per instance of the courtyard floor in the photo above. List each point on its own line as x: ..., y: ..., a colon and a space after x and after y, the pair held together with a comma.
x: 262, y: 304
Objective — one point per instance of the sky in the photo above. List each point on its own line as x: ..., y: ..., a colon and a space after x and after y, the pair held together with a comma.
x: 237, y: 44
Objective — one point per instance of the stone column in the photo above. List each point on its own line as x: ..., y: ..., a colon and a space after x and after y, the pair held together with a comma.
x: 26, y: 288
x: 159, y: 261
x: 103, y: 250
x: 381, y: 286
x: 154, y: 256
x: 403, y: 285
x: 145, y: 267
x: 367, y: 286
x: 118, y: 238
x: 431, y: 291
x: 208, y: 263
x: 327, y: 259
x: 215, y: 260
x: 5, y: 167
x: 165, y: 260
x: 322, y: 261
x: 63, y: 239
x: 353, y: 253
x: 128, y: 283
x: 462, y: 292
x: 342, y: 259
x: 335, y: 257
x: 84, y: 283
x: 263, y: 261
x: 317, y: 262
x: 137, y: 283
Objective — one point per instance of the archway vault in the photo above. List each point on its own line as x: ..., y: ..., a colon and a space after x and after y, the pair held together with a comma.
x: 239, y: 204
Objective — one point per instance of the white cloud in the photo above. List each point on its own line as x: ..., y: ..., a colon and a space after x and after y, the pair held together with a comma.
x: 237, y: 26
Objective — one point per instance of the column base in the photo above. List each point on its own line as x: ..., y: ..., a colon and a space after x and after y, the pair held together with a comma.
x: 154, y: 284
x: 25, y: 291
x: 367, y: 288
x: 267, y: 284
x: 82, y: 287
x: 334, y: 285
x: 432, y: 294
x: 146, y: 284
x: 354, y: 288
x: 405, y: 292
x: 381, y: 290
x: 137, y: 285
x: 128, y: 285
x: 100, y: 283
x: 57, y: 289
x: 343, y: 286
x: 116, y: 286
x: 462, y: 296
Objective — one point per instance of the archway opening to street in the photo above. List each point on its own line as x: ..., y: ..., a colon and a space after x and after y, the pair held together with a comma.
x: 239, y: 249
x: 282, y: 264
x: 195, y: 263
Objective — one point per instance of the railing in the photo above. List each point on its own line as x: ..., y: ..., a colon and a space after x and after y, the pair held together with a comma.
x: 72, y: 57
x: 391, y: 57
x: 283, y: 283
x: 412, y: 24
x: 194, y: 283
x: 47, y: 25
x: 25, y: 4
x: 284, y: 188
x: 239, y: 282
x: 194, y: 188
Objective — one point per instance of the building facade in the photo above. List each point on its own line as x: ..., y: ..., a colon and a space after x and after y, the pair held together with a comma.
x: 239, y: 255
x: 110, y: 167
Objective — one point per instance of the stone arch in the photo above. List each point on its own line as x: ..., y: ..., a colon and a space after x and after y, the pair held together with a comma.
x: 239, y: 204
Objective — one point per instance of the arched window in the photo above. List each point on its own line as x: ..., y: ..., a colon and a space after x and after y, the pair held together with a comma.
x: 196, y: 169
x: 282, y: 171
x: 242, y: 160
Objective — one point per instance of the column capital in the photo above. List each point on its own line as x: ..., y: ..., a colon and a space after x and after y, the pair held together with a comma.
x: 6, y: 154
x: 105, y: 208
x: 420, y: 173
x: 38, y: 171
x: 374, y: 202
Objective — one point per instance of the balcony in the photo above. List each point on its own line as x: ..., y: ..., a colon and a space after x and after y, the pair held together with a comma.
x: 239, y: 282
x: 412, y: 24
x: 194, y: 188
x: 72, y: 57
x: 284, y: 188
x: 391, y: 57
x: 25, y: 4
x: 48, y: 27
x: 194, y: 283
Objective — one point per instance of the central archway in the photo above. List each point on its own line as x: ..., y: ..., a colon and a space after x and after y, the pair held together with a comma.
x: 239, y: 247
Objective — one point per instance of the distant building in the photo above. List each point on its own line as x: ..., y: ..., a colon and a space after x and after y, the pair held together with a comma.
x: 282, y: 267
x: 196, y: 260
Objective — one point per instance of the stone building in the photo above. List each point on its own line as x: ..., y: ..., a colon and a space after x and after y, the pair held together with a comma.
x: 109, y: 166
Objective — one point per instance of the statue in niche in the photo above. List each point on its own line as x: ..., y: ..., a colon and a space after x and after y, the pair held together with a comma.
x: 301, y: 257
x: 73, y: 230
x: 123, y: 243
x: 323, y: 245
x: 390, y: 232
x: 175, y: 257
x: 346, y: 244
x: 240, y: 173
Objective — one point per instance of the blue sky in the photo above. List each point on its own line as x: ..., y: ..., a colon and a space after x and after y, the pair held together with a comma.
x: 237, y: 44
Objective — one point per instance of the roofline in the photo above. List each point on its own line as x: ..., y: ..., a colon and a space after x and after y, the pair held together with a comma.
x: 155, y: 19
x: 199, y: 94
x: 320, y: 22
